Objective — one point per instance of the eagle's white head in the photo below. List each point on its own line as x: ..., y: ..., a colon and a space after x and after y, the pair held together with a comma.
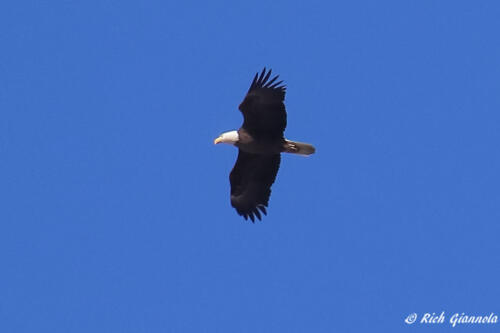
x: 229, y: 137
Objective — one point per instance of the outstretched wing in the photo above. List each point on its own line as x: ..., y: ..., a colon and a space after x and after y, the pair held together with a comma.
x: 263, y: 109
x: 251, y: 180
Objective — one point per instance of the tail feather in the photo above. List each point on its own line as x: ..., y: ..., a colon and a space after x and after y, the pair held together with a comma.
x: 299, y: 148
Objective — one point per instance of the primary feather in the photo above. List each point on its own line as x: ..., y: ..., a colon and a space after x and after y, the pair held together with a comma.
x: 263, y: 109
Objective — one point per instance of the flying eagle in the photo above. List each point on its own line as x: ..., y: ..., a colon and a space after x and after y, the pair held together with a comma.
x: 260, y: 142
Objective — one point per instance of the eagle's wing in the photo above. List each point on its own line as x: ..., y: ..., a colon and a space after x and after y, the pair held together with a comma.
x: 251, y: 180
x: 263, y: 109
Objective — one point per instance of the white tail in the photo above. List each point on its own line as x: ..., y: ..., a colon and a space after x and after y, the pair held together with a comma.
x: 299, y: 148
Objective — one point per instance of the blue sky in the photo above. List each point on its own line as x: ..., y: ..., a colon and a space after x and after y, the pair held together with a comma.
x: 115, y: 203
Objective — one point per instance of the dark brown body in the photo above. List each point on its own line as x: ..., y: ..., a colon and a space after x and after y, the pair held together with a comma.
x: 261, y: 145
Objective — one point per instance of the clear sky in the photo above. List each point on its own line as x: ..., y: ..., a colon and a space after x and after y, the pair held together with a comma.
x: 115, y: 213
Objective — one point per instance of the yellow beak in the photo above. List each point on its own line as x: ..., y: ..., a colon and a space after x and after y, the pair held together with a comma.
x: 218, y: 140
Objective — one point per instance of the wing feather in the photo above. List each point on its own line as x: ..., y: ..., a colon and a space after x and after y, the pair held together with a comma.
x: 263, y: 109
x: 251, y: 180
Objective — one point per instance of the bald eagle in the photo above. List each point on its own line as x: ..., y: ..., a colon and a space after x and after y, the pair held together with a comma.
x: 260, y: 141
